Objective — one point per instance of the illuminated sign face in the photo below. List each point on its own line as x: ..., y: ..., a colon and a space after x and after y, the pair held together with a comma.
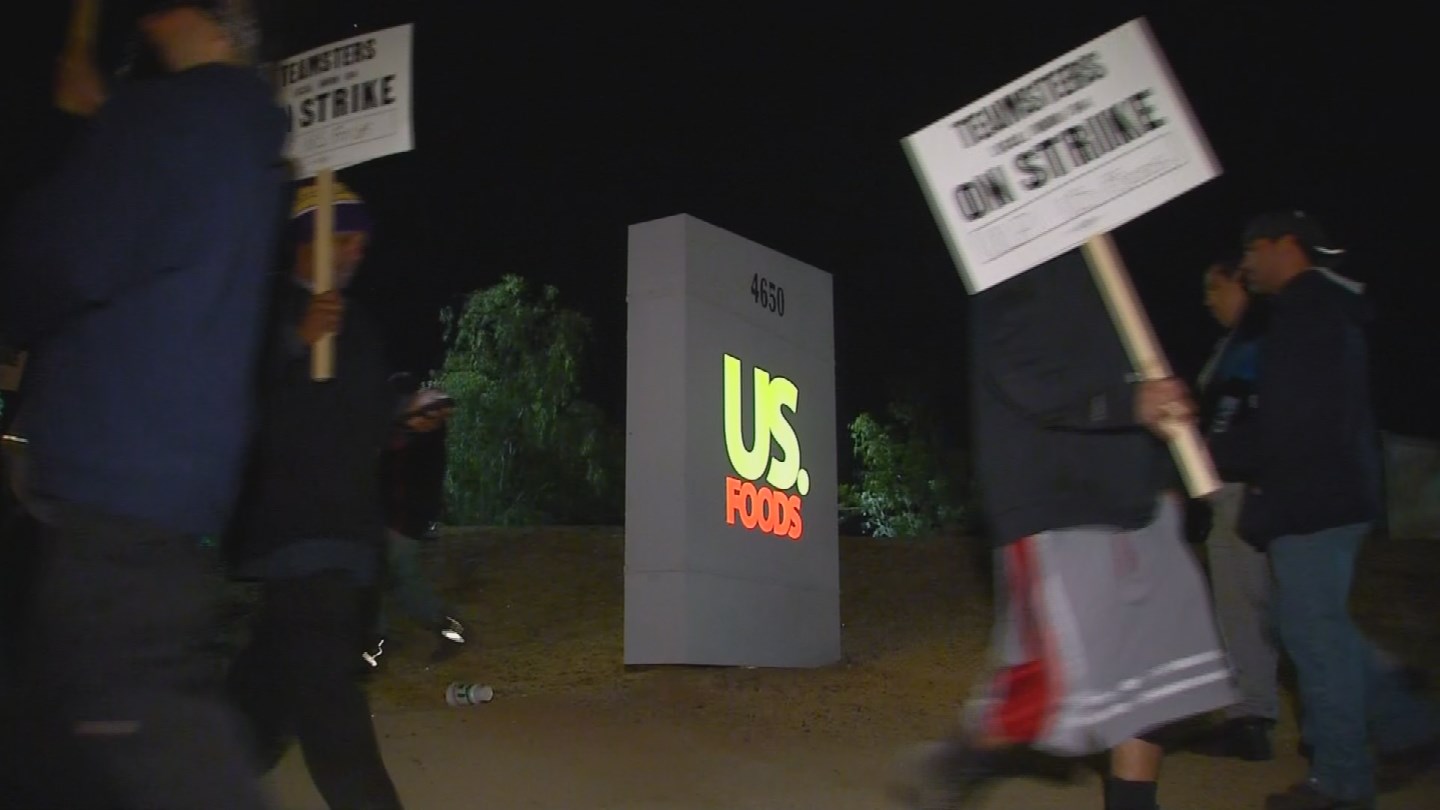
x: 727, y: 335
x: 765, y: 492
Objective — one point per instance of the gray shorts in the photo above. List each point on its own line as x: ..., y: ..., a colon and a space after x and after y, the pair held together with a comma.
x: 1101, y: 636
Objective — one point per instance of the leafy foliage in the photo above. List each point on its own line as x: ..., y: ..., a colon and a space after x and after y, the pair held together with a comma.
x: 524, y: 448
x: 907, y: 480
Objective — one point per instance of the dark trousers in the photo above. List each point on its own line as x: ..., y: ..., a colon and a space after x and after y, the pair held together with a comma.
x: 404, y: 578
x: 299, y: 676
x: 1352, y: 703
x: 18, y: 548
x: 18, y: 545
x: 122, y: 707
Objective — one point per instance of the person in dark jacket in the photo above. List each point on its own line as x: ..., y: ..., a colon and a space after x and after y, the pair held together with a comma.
x: 135, y: 278
x: 1239, y: 573
x: 311, y: 528
x: 1312, y: 467
x: 413, y: 481
x: 1104, y: 627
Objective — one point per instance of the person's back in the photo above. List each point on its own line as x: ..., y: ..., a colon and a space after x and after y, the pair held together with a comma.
x: 1318, y: 445
x: 414, y: 481
x: 1055, y: 436
x: 315, y: 472
x: 144, y: 274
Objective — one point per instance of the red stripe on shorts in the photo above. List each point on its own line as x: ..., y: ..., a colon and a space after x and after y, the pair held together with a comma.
x: 1025, y: 691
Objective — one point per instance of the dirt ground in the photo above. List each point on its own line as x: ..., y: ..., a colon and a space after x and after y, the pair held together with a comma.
x: 571, y: 728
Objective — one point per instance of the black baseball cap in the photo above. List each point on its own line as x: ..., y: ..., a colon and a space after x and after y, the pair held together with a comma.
x: 1302, y: 226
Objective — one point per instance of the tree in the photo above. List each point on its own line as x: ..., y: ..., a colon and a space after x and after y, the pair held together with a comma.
x: 523, y: 447
x: 908, y: 481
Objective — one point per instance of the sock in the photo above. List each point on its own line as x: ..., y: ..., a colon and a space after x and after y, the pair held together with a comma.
x: 1122, y: 794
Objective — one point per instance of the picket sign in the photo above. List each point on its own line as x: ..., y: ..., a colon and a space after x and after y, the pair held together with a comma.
x: 1057, y: 160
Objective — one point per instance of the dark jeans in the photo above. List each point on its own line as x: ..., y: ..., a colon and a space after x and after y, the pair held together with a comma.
x: 406, y: 581
x: 18, y: 546
x: 1240, y: 584
x: 298, y: 676
x: 122, y: 706
x: 1349, y: 695
x: 18, y: 549
x: 18, y: 562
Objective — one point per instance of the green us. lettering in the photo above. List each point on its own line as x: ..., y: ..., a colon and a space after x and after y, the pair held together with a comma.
x: 773, y: 396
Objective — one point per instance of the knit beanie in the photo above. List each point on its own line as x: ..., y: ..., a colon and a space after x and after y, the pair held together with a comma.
x: 350, y: 213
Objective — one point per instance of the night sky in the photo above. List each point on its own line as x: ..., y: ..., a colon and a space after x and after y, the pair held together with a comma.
x: 542, y: 131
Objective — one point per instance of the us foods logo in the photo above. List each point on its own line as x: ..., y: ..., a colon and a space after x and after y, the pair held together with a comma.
x: 770, y: 506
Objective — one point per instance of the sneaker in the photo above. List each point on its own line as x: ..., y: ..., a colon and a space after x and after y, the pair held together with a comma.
x: 1246, y: 738
x: 945, y: 775
x: 372, y: 655
x: 1412, y: 678
x: 1308, y: 796
x: 452, y: 630
x: 1397, y: 769
x: 452, y: 640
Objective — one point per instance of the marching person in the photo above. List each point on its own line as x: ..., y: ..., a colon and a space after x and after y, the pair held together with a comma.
x: 311, y: 528
x: 135, y: 279
x: 413, y: 481
x: 1311, y: 466
x: 1239, y: 573
x: 1104, y: 632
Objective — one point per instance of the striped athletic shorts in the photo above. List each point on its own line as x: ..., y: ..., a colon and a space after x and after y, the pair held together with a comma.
x: 1101, y: 636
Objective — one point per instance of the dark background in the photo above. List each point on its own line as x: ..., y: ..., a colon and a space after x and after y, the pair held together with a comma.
x: 542, y: 131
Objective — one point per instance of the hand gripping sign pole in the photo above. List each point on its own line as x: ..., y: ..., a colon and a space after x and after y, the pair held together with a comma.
x: 78, y: 50
x: 1136, y: 332
x: 322, y: 355
x: 335, y: 125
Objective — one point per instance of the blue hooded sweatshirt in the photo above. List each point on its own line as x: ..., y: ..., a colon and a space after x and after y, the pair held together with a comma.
x: 137, y: 277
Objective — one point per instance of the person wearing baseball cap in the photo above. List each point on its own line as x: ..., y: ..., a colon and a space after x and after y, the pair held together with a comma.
x: 1300, y: 227
x: 1310, y: 462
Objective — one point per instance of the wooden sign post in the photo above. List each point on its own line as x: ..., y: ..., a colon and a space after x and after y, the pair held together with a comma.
x: 322, y: 355
x: 1136, y: 332
x: 327, y: 134
x: 79, y: 50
